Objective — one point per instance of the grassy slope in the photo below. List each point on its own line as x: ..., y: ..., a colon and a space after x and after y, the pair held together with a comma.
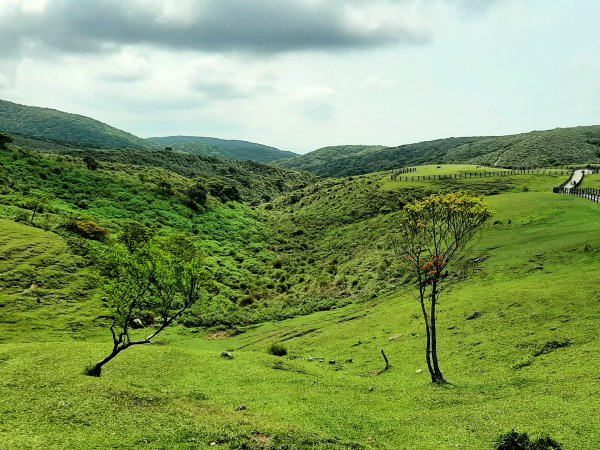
x: 591, y: 181
x: 535, y: 149
x: 234, y: 149
x: 52, y: 125
x: 182, y: 395
x: 235, y: 236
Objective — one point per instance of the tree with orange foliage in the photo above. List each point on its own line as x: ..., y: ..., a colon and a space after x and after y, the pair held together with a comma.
x: 433, y: 235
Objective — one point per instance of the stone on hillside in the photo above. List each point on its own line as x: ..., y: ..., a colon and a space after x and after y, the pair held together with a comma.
x: 226, y: 355
x: 137, y: 323
x: 419, y: 371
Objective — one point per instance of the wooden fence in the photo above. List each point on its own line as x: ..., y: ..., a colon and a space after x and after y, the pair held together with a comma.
x: 396, y: 172
x: 587, y: 193
x: 504, y: 173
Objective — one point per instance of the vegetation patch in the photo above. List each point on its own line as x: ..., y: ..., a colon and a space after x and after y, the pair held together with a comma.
x: 552, y: 345
x: 277, y: 350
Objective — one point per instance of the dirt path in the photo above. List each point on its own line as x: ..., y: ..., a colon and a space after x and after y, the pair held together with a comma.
x: 577, y: 177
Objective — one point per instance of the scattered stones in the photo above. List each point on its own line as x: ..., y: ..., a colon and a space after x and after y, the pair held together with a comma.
x: 371, y: 389
x: 321, y: 359
x: 452, y: 327
x: 419, y: 371
x: 332, y: 361
x: 475, y: 315
x: 212, y: 444
x: 395, y: 337
x: 137, y: 323
x: 226, y: 355
x: 349, y: 360
x: 241, y: 408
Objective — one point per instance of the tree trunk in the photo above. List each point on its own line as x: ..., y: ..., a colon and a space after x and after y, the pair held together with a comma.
x: 96, y: 369
x: 428, y: 346
x: 437, y: 376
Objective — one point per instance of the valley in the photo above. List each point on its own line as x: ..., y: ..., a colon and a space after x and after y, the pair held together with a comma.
x: 305, y: 263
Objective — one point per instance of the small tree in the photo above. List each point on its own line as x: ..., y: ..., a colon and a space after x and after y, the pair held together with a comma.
x: 433, y: 235
x: 164, y: 277
x: 197, y: 195
x: 135, y: 235
x: 37, y: 202
x: 90, y: 162
x: 5, y: 139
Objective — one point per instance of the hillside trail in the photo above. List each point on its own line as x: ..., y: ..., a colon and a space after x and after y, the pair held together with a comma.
x: 577, y: 177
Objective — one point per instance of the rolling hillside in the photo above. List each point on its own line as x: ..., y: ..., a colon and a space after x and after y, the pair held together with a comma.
x: 49, y: 127
x: 233, y: 149
x: 254, y: 181
x: 348, y: 160
x: 537, y: 148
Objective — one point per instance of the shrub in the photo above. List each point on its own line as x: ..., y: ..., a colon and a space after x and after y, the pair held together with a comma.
x: 91, y: 230
x: 5, y: 139
x: 522, y: 441
x: 91, y: 163
x: 87, y: 229
x: 277, y: 350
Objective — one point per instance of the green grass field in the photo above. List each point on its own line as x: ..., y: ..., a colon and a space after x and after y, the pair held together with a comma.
x: 535, y: 285
x: 591, y: 181
x: 447, y: 169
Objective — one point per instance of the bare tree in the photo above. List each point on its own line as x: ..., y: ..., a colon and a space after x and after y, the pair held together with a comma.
x: 432, y: 236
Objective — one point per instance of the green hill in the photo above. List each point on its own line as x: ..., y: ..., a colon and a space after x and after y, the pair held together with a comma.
x: 50, y: 129
x: 535, y: 149
x: 222, y: 148
x: 45, y: 127
x: 255, y: 181
x: 348, y: 160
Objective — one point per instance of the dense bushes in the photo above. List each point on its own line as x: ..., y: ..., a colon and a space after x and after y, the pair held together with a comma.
x: 277, y: 350
x: 522, y: 441
x: 5, y: 139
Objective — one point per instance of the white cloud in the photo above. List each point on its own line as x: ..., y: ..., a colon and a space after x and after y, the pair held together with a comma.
x: 225, y: 78
x: 126, y: 66
x: 402, y: 20
x: 378, y: 83
x: 315, y: 102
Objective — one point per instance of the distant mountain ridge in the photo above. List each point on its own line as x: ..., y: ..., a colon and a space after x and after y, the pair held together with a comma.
x: 233, y: 149
x: 51, y: 129
x: 577, y: 145
x: 64, y: 128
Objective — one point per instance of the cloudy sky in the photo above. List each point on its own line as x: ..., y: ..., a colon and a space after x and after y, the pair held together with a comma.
x: 303, y: 74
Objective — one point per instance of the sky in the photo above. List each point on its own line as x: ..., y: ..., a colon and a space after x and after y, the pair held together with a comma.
x: 305, y: 74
